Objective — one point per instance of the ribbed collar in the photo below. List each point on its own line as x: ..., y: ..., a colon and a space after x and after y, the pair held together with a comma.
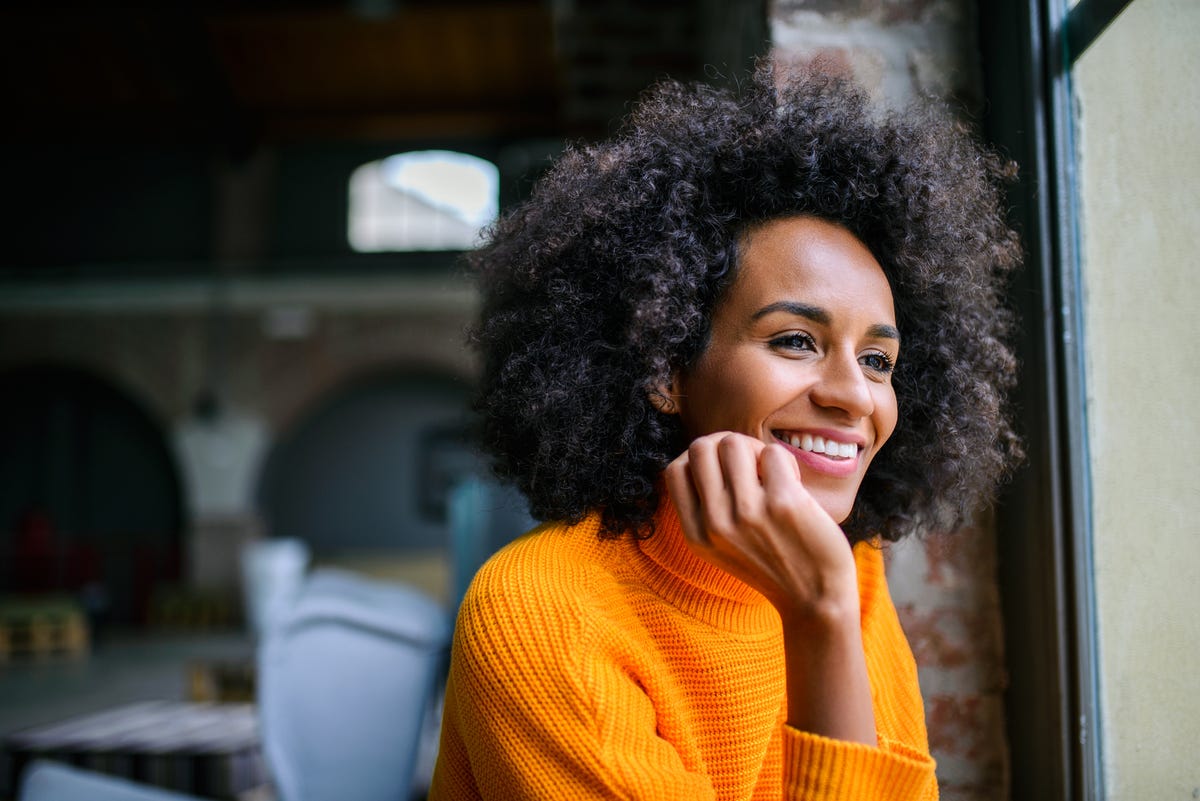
x: 672, y: 571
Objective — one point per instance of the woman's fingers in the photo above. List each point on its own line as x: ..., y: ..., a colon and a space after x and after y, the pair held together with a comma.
x: 683, y: 494
x: 725, y: 470
x: 779, y: 467
x: 715, y: 484
x: 783, y: 490
x: 739, y: 459
x: 707, y: 478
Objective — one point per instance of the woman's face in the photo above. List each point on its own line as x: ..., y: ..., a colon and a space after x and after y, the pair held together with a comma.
x: 801, y: 352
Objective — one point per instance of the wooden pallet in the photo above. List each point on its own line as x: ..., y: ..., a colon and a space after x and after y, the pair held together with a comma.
x: 41, y: 627
x: 188, y: 609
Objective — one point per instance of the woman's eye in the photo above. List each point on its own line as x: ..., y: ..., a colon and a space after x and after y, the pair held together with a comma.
x: 879, y: 362
x: 794, y: 341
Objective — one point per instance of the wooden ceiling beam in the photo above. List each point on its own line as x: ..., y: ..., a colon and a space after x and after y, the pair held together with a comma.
x: 229, y: 77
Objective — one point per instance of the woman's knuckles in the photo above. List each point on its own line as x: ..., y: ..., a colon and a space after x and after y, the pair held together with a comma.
x: 750, y: 513
x: 721, y: 527
x: 789, y: 509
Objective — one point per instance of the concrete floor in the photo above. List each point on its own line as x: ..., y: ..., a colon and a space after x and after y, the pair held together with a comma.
x: 121, y: 668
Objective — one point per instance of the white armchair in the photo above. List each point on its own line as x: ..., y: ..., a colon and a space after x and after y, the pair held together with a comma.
x: 345, y: 680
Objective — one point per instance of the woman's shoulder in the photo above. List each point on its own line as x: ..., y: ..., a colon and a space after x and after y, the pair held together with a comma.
x: 557, y: 585
x: 555, y: 570
x: 548, y: 554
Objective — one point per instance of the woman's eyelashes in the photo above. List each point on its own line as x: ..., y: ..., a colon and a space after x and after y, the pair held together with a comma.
x: 794, y: 341
x: 879, y: 361
x: 800, y: 342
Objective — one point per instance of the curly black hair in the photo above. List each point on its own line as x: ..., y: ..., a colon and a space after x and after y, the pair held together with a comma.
x: 603, y: 283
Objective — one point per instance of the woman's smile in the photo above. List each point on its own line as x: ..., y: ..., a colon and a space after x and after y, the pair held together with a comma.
x: 831, y: 454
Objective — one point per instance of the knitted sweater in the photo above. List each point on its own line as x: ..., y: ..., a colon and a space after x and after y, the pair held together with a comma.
x: 587, y: 668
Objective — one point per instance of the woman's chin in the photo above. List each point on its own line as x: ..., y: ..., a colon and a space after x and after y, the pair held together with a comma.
x: 836, y: 507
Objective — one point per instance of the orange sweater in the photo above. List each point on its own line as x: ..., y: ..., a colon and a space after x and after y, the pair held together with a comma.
x: 588, y: 668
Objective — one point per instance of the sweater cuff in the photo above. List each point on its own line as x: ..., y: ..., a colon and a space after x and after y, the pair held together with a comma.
x: 816, y: 767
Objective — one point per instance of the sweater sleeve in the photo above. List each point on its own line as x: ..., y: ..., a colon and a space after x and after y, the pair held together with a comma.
x: 816, y: 767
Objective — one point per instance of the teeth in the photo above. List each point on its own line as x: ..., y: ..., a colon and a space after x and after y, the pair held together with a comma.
x: 829, y: 447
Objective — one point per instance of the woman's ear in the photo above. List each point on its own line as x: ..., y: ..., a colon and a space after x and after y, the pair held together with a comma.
x: 665, y: 397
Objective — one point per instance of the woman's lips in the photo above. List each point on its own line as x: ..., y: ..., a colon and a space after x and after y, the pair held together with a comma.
x: 821, y: 454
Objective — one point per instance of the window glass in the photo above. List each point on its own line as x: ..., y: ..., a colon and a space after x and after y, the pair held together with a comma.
x: 422, y: 200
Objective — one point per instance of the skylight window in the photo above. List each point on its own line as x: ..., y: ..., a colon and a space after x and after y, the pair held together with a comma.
x: 423, y: 200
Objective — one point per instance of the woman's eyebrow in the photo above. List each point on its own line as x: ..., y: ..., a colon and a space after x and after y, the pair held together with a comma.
x: 884, y: 331
x: 814, y: 313
x: 821, y: 316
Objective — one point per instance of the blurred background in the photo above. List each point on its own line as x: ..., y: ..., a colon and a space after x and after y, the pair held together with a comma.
x: 232, y: 307
x: 232, y: 311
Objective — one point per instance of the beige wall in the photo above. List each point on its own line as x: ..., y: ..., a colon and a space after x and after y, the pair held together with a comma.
x: 1138, y: 135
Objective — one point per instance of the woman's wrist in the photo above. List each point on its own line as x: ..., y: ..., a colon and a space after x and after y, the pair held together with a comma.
x: 823, y: 605
x: 829, y: 692
x: 827, y: 618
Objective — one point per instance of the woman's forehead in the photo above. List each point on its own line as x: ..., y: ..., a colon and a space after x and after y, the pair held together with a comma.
x: 811, y: 261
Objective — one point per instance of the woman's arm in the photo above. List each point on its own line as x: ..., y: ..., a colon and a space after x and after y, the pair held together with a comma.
x: 743, y: 508
x: 538, y: 707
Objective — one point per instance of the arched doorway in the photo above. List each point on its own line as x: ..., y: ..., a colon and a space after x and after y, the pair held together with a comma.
x: 366, y: 473
x: 90, y: 498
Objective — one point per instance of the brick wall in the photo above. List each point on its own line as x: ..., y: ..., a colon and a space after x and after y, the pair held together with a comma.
x: 897, y: 49
x: 267, y: 370
x: 945, y: 592
x: 944, y: 586
x: 610, y: 50
x: 163, y: 357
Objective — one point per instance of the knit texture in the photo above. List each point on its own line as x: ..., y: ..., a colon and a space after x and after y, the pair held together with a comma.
x: 597, y: 668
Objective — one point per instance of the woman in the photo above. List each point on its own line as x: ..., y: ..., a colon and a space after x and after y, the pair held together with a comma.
x: 728, y: 353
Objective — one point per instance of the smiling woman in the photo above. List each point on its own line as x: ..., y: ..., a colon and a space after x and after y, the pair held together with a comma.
x: 726, y: 355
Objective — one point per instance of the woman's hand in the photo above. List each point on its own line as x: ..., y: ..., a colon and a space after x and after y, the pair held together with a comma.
x: 743, y: 508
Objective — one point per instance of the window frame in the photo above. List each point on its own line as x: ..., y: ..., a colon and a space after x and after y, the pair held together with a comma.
x: 1043, y: 522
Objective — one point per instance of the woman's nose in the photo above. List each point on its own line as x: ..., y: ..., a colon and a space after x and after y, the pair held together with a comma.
x: 842, y: 385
